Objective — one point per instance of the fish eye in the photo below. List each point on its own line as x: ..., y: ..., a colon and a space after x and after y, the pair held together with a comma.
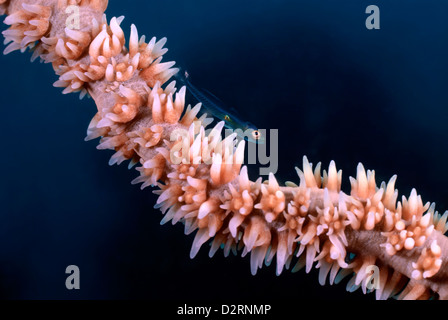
x: 226, y: 117
x: 256, y: 134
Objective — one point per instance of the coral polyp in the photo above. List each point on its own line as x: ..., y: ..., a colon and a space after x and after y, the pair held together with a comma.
x: 201, y: 179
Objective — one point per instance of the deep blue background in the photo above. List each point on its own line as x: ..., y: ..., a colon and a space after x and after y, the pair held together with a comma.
x: 335, y: 90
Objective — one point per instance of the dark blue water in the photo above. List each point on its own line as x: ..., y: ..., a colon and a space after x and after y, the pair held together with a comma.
x: 335, y: 90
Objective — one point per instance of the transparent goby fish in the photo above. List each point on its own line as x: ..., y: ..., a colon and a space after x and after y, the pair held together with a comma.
x: 213, y: 106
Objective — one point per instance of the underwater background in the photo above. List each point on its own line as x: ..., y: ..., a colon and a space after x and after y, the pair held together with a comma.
x: 311, y: 69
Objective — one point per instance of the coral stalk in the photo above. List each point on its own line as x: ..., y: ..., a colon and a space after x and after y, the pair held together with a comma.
x: 201, y: 178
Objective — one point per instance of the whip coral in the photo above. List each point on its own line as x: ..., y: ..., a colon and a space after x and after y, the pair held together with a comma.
x: 200, y: 176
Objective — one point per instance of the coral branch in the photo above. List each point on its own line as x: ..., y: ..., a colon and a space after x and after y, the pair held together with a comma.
x: 201, y: 180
